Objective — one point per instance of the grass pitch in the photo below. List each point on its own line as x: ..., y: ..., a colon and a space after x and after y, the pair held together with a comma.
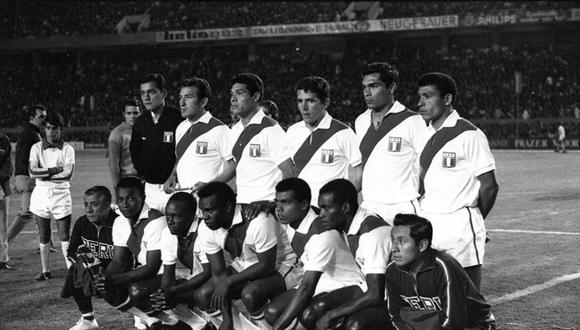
x: 539, y: 191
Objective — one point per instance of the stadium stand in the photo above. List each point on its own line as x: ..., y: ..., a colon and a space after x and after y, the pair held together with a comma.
x: 33, y: 18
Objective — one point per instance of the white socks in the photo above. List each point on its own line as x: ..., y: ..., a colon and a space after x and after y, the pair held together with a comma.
x: 45, y: 257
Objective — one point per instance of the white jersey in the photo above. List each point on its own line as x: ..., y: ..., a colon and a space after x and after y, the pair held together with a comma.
x: 44, y: 156
x: 391, y: 172
x: 260, y: 235
x: 201, y: 159
x: 303, y: 227
x: 331, y: 160
x: 329, y: 254
x: 170, y: 246
x: 151, y: 239
x: 451, y: 181
x: 257, y: 171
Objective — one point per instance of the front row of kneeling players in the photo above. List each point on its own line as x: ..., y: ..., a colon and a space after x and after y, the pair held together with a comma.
x: 296, y: 269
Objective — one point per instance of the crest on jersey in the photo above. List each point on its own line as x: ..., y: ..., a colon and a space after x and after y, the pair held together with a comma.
x: 395, y: 144
x: 201, y: 148
x: 449, y: 159
x: 255, y: 150
x: 168, y: 137
x: 327, y: 156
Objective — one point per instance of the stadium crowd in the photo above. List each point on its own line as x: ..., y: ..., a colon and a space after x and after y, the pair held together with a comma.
x: 38, y: 19
x: 88, y: 92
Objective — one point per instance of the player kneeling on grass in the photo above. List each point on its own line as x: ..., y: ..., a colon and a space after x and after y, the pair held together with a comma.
x: 262, y: 255
x: 52, y: 163
x: 369, y: 241
x: 91, y: 246
x: 428, y: 289
x: 179, y: 242
x: 328, y: 266
x: 137, y: 238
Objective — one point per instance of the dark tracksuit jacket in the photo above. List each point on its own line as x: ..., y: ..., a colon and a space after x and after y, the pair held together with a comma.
x: 441, y: 296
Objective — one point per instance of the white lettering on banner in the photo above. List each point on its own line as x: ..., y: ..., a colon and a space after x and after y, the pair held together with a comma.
x: 415, y: 23
x: 543, y: 16
x: 496, y: 19
x: 419, y: 23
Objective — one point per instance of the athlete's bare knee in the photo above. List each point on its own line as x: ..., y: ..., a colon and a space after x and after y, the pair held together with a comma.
x: 309, y: 316
x: 203, y: 295
x: 271, y: 313
x: 252, y: 298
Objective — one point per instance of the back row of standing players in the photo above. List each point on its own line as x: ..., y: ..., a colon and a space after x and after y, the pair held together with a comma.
x: 432, y: 163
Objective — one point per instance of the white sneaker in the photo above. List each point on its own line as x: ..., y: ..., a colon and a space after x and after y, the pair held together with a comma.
x: 139, y: 324
x: 84, y: 324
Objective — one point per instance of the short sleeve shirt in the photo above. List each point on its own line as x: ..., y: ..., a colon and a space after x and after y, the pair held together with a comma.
x: 329, y: 254
x: 257, y: 171
x: 169, y: 248
x: 151, y: 239
x: 391, y: 173
x: 331, y: 160
x: 451, y: 181
x: 204, y: 158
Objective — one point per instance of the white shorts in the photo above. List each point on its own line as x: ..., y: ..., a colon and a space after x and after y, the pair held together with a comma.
x: 51, y: 201
x: 388, y: 211
x: 155, y: 197
x: 460, y: 234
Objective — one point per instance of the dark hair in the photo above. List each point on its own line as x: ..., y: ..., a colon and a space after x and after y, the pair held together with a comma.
x: 31, y: 110
x: 314, y: 84
x: 420, y: 228
x: 157, y: 78
x: 55, y: 119
x: 387, y: 73
x: 185, y: 199
x: 253, y: 83
x: 444, y: 83
x: 220, y: 190
x: 131, y: 102
x: 272, y: 108
x: 101, y: 191
x: 298, y: 186
x: 131, y: 182
x: 202, y: 86
x: 343, y: 191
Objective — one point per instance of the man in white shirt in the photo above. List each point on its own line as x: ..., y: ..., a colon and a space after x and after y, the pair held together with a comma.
x: 202, y: 149
x: 179, y: 242
x: 261, y: 253
x: 258, y: 144
x: 369, y: 241
x: 132, y: 275
x: 391, y: 138
x: 331, y: 276
x: 322, y: 148
x: 458, y: 183
x: 52, y: 163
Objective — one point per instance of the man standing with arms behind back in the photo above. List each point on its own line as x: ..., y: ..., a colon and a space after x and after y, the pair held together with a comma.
x: 120, y: 163
x: 391, y: 139
x: 153, y: 140
x: 23, y: 183
x: 457, y: 175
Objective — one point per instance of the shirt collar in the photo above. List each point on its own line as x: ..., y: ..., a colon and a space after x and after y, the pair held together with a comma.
x: 46, y: 145
x: 194, y: 226
x: 257, y: 118
x: 395, y: 108
x: 203, y: 119
x: 324, y: 122
x: 307, y: 222
x: 450, y: 121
